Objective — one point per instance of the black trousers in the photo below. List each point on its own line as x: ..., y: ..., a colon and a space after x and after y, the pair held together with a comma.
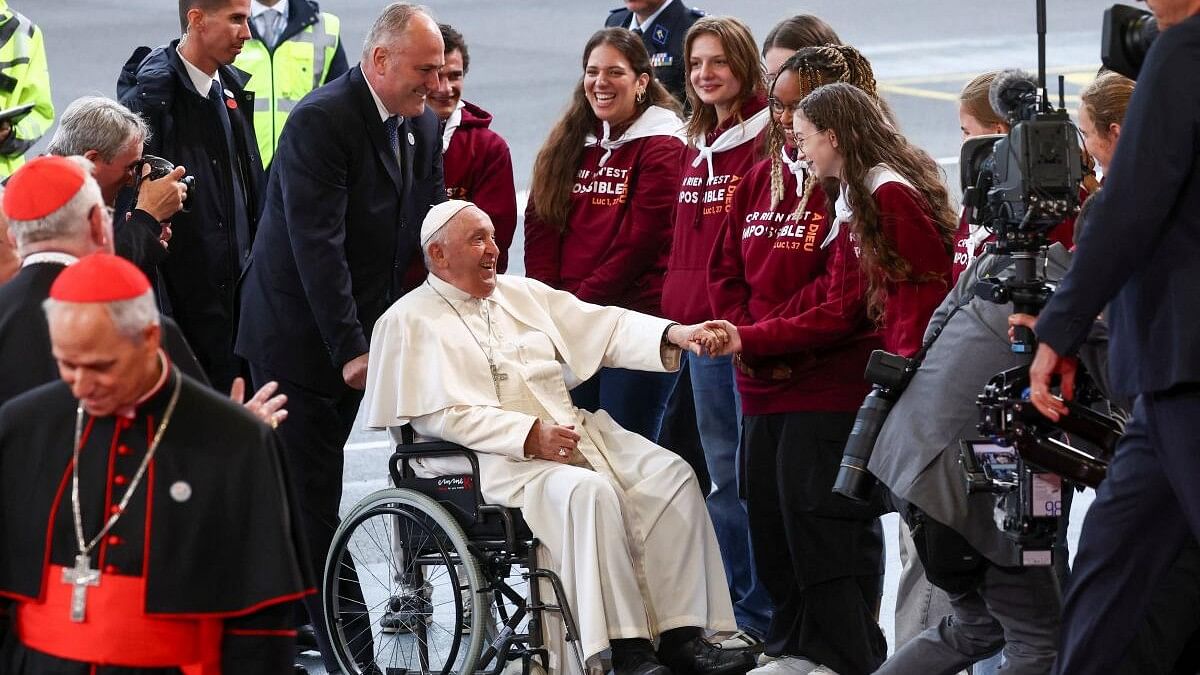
x: 1145, y: 511
x: 314, y: 437
x: 820, y: 555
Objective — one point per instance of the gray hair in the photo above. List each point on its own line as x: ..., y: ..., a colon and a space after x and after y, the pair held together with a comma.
x: 390, y: 25
x: 441, y: 237
x: 131, y: 317
x: 97, y: 123
x: 68, y: 221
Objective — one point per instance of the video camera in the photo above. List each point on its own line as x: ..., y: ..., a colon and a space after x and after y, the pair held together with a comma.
x: 1026, y: 457
x: 159, y: 168
x: 1126, y: 36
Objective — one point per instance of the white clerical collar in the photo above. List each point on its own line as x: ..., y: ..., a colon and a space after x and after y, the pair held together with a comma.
x: 283, y: 8
x: 165, y: 365
x: 633, y: 20
x: 448, y: 290
x: 383, y: 111
x: 56, y: 257
x: 201, y: 80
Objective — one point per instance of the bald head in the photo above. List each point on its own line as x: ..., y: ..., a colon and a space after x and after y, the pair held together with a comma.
x: 401, y: 58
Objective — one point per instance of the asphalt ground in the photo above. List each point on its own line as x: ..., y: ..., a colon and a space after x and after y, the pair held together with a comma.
x: 525, y: 59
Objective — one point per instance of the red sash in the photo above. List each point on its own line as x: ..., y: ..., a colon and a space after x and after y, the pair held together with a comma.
x: 116, y: 630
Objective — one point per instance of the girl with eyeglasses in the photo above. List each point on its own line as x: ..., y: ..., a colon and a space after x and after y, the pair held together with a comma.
x: 820, y: 556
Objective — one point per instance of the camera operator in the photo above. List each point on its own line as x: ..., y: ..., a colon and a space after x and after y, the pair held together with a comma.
x: 1140, y: 255
x: 112, y: 136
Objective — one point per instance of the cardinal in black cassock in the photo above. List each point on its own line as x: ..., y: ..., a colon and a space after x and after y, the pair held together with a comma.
x: 145, y: 524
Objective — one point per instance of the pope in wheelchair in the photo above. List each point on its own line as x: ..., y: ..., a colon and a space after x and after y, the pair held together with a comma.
x: 484, y: 361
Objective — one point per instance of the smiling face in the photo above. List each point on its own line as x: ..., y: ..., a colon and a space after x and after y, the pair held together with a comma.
x: 218, y: 36
x: 785, y: 94
x: 404, y: 71
x: 465, y: 254
x: 611, y: 86
x: 449, y: 93
x: 818, y: 147
x: 711, y: 76
x: 106, y: 370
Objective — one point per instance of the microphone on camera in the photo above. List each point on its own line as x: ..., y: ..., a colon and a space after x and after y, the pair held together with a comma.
x: 1013, y: 95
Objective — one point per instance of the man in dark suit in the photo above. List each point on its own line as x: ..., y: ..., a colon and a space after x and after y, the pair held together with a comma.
x: 358, y: 165
x: 200, y: 117
x: 1140, y: 256
x: 662, y: 25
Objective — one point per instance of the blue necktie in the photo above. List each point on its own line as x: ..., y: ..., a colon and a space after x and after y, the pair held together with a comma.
x: 392, y: 126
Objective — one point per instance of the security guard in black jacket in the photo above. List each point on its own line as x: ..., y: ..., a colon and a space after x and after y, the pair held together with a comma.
x: 663, y: 25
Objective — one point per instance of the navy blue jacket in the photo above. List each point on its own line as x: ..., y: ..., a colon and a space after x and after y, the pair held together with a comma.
x: 664, y: 41
x: 1140, y: 250
x: 338, y: 231
x: 199, y: 274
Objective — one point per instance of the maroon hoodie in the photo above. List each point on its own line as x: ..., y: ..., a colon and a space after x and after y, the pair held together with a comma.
x: 908, y: 305
x: 701, y: 209
x: 614, y: 250
x: 763, y: 263
x: 478, y: 168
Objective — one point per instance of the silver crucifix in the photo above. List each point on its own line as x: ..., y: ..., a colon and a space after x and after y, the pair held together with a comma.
x: 80, y: 577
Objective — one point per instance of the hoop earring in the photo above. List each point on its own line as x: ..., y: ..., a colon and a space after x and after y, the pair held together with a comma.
x: 640, y: 95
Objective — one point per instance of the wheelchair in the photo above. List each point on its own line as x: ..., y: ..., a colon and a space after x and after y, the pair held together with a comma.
x: 449, y: 584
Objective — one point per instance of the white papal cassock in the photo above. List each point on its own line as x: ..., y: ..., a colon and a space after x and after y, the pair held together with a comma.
x: 624, y: 524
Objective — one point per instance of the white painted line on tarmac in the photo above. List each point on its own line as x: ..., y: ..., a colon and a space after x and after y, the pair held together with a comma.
x: 369, y: 445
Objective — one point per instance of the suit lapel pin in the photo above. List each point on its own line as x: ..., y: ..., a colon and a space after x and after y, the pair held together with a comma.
x: 412, y: 140
x: 181, y: 491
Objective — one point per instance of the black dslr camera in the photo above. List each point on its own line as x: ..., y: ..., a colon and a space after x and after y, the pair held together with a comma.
x: 1026, y: 457
x: 160, y: 167
x: 889, y: 374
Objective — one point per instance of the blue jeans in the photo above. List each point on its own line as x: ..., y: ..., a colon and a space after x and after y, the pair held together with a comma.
x: 636, y: 399
x: 719, y: 419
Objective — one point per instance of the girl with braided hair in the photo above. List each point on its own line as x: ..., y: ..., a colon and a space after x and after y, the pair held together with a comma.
x: 820, y: 557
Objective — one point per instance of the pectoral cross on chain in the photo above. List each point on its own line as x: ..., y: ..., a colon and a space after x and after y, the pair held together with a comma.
x: 80, y: 577
x: 497, y: 376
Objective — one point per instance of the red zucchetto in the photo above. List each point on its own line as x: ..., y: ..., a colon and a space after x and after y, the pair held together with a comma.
x: 100, y: 277
x: 42, y: 186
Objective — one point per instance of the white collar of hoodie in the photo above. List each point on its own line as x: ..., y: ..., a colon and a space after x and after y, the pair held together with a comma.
x: 877, y: 176
x: 452, y: 124
x: 731, y: 138
x: 798, y: 167
x: 656, y: 121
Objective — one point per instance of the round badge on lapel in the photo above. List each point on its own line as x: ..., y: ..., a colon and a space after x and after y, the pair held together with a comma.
x: 412, y: 140
x: 181, y: 491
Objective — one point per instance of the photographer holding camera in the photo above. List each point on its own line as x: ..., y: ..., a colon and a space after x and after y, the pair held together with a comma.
x: 112, y: 136
x: 1140, y: 255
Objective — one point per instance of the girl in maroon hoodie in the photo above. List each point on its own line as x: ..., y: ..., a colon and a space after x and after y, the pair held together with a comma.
x: 820, y: 557
x: 726, y: 93
x: 598, y: 222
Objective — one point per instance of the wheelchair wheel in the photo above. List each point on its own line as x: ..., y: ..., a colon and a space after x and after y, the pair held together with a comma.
x: 402, y: 590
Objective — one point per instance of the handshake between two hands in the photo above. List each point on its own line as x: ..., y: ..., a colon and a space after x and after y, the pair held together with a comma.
x: 709, y: 338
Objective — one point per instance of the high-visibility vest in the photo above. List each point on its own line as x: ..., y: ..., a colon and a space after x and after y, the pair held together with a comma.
x: 24, y: 78
x: 280, y: 79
